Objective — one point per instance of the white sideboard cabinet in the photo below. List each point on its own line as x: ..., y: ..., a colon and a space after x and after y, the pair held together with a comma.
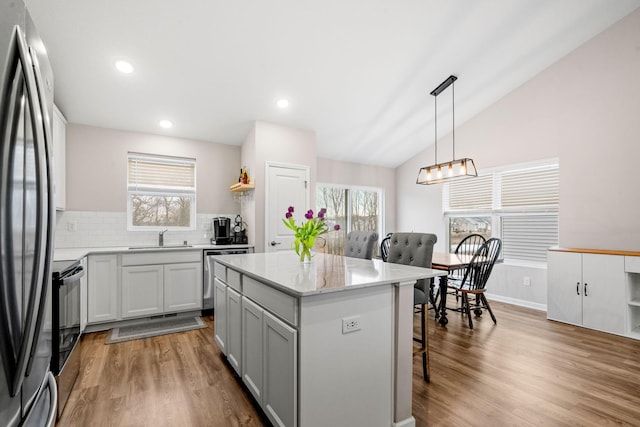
x: 588, y: 289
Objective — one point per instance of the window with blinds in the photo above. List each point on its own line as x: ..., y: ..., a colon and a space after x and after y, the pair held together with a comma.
x: 522, y: 203
x: 161, y: 191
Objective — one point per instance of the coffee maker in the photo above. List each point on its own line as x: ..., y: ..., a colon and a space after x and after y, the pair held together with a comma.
x: 221, y: 231
x: 239, y: 231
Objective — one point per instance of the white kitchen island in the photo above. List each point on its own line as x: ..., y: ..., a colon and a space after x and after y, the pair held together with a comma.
x: 327, y: 343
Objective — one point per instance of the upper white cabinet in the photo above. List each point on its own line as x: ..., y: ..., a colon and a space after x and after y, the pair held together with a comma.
x: 587, y: 289
x: 59, y: 125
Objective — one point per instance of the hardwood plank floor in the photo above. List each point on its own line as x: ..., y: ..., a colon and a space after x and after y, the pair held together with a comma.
x: 524, y: 371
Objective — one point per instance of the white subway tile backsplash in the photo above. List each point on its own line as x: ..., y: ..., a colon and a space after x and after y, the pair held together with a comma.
x: 104, y: 229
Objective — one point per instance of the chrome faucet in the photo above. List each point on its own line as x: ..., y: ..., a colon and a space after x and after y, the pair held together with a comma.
x: 161, y: 237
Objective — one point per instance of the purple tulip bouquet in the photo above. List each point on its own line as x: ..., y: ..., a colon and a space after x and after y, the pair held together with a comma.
x: 306, y: 234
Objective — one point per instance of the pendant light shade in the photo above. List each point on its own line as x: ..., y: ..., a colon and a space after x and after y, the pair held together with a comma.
x: 440, y: 172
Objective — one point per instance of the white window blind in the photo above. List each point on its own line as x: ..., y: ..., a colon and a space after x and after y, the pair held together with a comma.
x: 147, y: 173
x: 528, y: 237
x: 530, y: 188
x: 523, y: 200
x: 470, y: 194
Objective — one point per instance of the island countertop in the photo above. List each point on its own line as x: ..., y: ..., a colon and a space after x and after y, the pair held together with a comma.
x: 325, y: 273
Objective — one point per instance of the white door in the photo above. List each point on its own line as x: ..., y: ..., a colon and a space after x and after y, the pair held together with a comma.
x: 287, y: 186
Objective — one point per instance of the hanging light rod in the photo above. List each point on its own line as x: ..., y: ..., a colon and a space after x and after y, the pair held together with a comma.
x: 440, y: 172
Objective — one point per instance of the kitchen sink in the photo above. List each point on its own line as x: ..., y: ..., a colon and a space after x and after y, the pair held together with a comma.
x: 160, y: 247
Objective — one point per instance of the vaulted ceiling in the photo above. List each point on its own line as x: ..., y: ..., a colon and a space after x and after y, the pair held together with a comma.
x: 357, y: 72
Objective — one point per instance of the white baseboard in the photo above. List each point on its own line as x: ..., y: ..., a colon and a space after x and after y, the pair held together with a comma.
x: 519, y: 302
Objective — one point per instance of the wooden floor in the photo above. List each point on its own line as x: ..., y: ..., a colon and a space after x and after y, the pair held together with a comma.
x: 523, y: 371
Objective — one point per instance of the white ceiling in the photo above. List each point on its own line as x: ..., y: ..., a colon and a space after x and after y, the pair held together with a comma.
x: 357, y: 72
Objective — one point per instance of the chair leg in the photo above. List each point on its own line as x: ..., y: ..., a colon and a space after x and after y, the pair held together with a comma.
x: 422, y: 316
x: 425, y: 352
x: 486, y: 303
x: 465, y: 301
x: 432, y: 300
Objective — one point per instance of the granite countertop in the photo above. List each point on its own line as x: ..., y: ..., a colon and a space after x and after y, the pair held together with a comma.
x: 325, y: 273
x: 72, y: 254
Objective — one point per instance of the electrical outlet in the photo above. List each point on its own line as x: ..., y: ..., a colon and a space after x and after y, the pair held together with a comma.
x: 350, y: 324
x: 527, y: 281
x: 72, y: 226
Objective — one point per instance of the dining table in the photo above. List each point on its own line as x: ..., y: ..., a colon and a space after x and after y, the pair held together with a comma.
x: 448, y: 262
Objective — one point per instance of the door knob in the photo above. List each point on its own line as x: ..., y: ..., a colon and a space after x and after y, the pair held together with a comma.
x: 273, y: 243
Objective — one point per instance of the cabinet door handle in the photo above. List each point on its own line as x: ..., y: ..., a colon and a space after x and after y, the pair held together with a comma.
x: 577, y: 288
x: 585, y: 290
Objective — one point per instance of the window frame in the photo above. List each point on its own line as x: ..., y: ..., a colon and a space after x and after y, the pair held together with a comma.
x: 497, y: 212
x: 162, y: 192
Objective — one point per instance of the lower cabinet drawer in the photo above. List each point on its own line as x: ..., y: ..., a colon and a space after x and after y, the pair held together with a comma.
x: 283, y: 305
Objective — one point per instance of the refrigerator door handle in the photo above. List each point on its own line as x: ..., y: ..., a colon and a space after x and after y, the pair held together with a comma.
x: 37, y: 287
x: 46, y: 220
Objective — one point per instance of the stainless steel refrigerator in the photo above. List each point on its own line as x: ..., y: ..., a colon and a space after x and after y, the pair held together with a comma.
x: 27, y: 387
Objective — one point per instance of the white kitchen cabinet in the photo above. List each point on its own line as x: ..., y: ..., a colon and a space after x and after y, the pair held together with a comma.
x: 234, y: 330
x: 83, y: 296
x: 269, y: 368
x: 252, y: 347
x: 220, y: 314
x: 161, y: 282
x: 102, y: 284
x: 59, y: 136
x: 279, y: 347
x: 183, y: 286
x: 587, y: 289
x: 142, y: 290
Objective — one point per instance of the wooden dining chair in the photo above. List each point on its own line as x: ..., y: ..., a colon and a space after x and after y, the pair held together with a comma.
x: 474, y: 280
x: 467, y: 246
x: 384, y: 247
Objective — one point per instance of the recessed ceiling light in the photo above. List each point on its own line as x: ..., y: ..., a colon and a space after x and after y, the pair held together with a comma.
x: 282, y: 103
x: 124, y: 67
x: 166, y: 124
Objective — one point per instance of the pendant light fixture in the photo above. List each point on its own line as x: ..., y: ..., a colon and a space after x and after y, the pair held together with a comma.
x: 440, y: 172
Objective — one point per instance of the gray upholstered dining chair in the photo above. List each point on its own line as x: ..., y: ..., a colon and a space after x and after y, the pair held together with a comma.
x: 416, y: 249
x: 360, y: 244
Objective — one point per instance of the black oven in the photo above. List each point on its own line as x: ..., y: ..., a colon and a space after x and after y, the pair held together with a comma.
x: 65, y: 358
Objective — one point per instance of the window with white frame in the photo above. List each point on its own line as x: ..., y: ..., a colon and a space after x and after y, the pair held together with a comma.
x: 518, y: 204
x: 351, y: 207
x: 161, y: 192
